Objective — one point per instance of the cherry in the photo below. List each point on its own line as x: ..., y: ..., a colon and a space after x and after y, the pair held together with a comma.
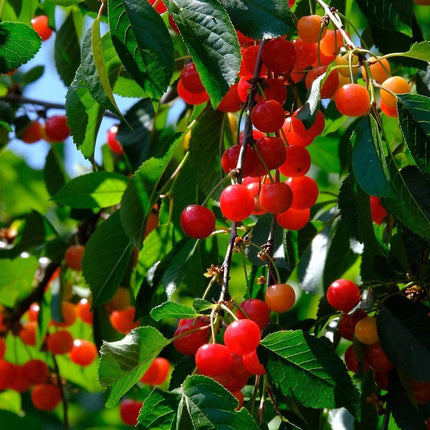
x: 121, y: 300
x: 230, y: 158
x: 40, y: 26
x: 197, y: 221
x: 173, y: 24
x: 305, y: 192
x: 231, y: 383
x: 343, y: 295
x: 271, y: 151
x: 352, y: 100
x: 307, y: 133
x: 28, y: 333
x: 157, y: 372
x: 256, y: 310
x: 397, y: 85
x: 256, y: 135
x: 231, y: 102
x: 190, y: 343
x: 32, y: 133
x: 347, y: 322
x: 379, y: 69
x: 242, y: 336
x: 191, y: 80
x: 46, y: 397
x: 83, y: 352
x: 239, y: 397
x: 292, y: 137
x: 84, y: 311
x: 279, y: 55
x: 236, y: 202
x: 35, y: 371
x: 159, y: 6
x: 20, y: 383
x: 276, y: 197
x: 366, y: 331
x: 280, y: 297
x: 33, y: 312
x: 275, y: 89
x: 293, y: 219
x: 331, y: 43
x: 189, y: 97
x: 73, y: 257
x: 421, y: 391
x: 56, y: 128
x: 297, y: 161
x: 238, y: 369
x: 307, y: 53
x: 381, y: 379
x: 244, y: 41
x: 60, y: 342
x: 254, y: 186
x: 377, y: 211
x: 351, y: 361
x: 7, y: 374
x: 129, y: 411
x: 123, y: 321
x: 112, y: 141
x: 249, y: 58
x: 390, y: 111
x: 213, y: 359
x: 377, y: 358
x: 310, y: 28
x: 330, y: 85
x: 69, y: 315
x: 2, y: 348
x: 268, y: 116
x: 252, y: 363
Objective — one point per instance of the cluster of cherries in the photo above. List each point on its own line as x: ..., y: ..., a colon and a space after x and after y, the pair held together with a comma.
x: 54, y: 129
x: 366, y: 354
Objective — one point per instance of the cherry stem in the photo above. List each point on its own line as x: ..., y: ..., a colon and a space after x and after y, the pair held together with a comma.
x: 63, y: 394
x: 229, y: 311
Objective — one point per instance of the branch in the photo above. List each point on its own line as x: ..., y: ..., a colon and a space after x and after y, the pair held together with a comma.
x: 63, y: 393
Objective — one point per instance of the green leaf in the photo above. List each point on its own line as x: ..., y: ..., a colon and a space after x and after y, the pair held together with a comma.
x: 212, y: 42
x: 93, y: 190
x: 183, y: 368
x: 32, y: 75
x: 66, y: 2
x: 206, y: 139
x: 83, y: 115
x: 67, y: 50
x: 307, y: 368
x: 389, y: 14
x: 123, y: 363
x: 366, y: 162
x: 95, y: 69
x: 260, y: 19
x: 172, y: 310
x: 53, y: 172
x: 414, y: 120
x: 158, y: 411
x: 202, y: 305
x: 106, y: 257
x: 211, y: 406
x: 16, y: 278
x: 409, y: 350
x: 19, y: 43
x: 419, y: 51
x: 143, y: 44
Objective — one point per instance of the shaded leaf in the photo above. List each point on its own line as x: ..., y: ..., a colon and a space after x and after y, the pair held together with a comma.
x: 53, y: 172
x: 172, y: 310
x: 419, y: 51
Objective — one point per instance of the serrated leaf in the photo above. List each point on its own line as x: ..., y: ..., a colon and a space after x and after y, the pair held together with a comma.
x: 419, y: 51
x: 158, y: 411
x: 83, y: 115
x: 183, y: 368
x: 389, y: 14
x: 205, y: 139
x: 308, y: 369
x: 143, y: 44
x: 414, y: 120
x: 260, y: 19
x: 123, y: 363
x: 409, y: 350
x: 172, y: 310
x: 93, y: 190
x: 95, y: 72
x: 19, y: 43
x: 205, y: 399
x: 107, y: 254
x: 211, y: 41
x: 201, y: 305
x: 67, y: 50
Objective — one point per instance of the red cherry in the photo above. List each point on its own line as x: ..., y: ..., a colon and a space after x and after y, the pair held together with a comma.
x: 242, y: 336
x: 231, y: 102
x: 308, y: 133
x: 33, y: 312
x: 236, y: 202
x: 279, y: 55
x: 343, y: 295
x: 189, y: 97
x: 238, y: 369
x: 268, y: 116
x: 35, y: 371
x: 123, y: 321
x: 2, y: 348
x: 305, y: 192
x: 252, y: 363
x: 159, y: 6
x: 32, y: 133
x: 112, y: 141
x: 377, y: 358
x: 56, y: 128
x: 307, y: 53
x: 197, y: 221
x: 256, y: 310
x: 28, y: 333
x: 213, y: 359
x: 46, y: 397
x: 331, y: 43
x: 191, y: 80
x: 381, y: 379
x: 293, y: 219
x: 272, y: 151
x: 60, y: 342
x: 83, y: 352
x: 20, y: 383
x: 276, y: 197
x: 292, y: 137
x: 129, y: 411
x: 173, y: 24
x: 330, y: 85
x: 249, y: 58
x: 377, y: 211
x: 297, y: 161
x: 230, y: 158
x: 189, y: 344
x: 275, y: 89
x: 40, y: 26
x: 253, y: 185
x: 73, y: 256
x: 7, y: 374
x: 352, y: 100
x: 280, y: 297
x: 347, y: 323
x: 84, y: 311
x: 157, y: 372
x: 351, y: 361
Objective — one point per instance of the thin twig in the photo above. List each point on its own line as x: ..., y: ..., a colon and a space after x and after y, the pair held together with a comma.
x: 63, y: 393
